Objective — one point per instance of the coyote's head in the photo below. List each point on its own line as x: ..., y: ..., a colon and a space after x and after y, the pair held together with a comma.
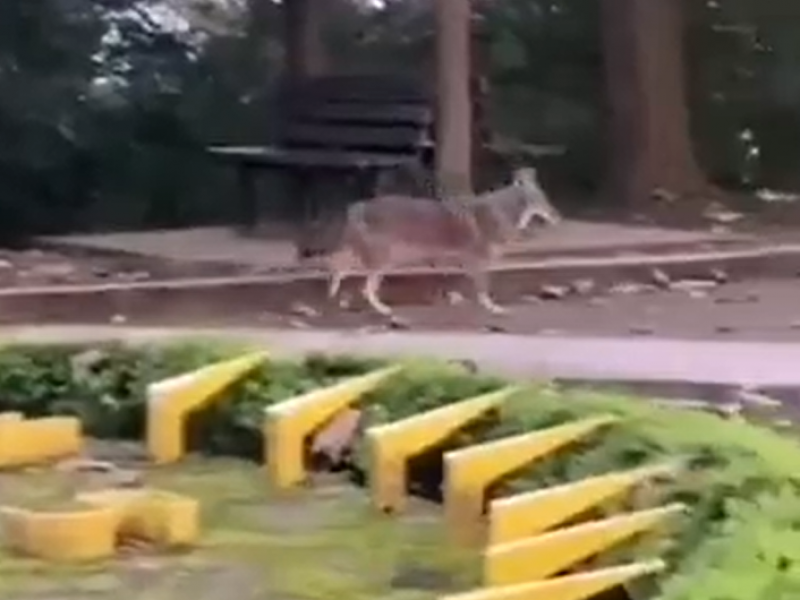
x: 536, y: 204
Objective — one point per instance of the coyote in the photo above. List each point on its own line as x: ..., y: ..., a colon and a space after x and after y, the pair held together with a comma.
x: 385, y: 232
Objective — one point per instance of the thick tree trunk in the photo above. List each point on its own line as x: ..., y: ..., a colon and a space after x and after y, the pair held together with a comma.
x: 479, y: 91
x: 454, y: 109
x: 648, y: 127
x: 305, y: 53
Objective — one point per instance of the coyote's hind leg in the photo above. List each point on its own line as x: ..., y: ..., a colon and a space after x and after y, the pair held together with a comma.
x: 371, y: 292
x: 478, y: 273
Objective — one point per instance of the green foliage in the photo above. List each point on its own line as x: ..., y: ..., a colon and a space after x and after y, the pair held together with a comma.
x: 105, y: 112
x: 739, y: 541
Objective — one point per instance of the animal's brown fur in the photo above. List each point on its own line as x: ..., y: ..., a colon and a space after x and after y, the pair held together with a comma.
x: 386, y: 232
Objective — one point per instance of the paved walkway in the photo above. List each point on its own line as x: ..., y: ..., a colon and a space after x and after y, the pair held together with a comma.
x: 219, y: 244
x: 760, y: 364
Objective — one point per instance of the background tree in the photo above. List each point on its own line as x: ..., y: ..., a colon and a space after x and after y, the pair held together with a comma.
x: 106, y: 107
x: 651, y: 146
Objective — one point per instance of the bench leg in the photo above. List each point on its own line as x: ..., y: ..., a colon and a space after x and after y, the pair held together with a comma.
x: 248, y: 207
x: 300, y: 192
x: 367, y: 183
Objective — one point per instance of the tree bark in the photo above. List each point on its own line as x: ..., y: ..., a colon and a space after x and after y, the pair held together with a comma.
x: 480, y: 92
x: 649, y: 130
x: 454, y: 108
x: 305, y: 53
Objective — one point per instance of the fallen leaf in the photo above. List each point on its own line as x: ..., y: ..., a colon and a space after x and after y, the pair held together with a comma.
x: 550, y: 332
x: 746, y: 299
x: 689, y: 285
x: 304, y: 310
x: 724, y: 217
x: 398, y: 323
x: 553, y: 292
x: 719, y: 275
x: 755, y: 398
x: 641, y: 330
x: 455, y: 298
x: 660, y: 278
x: 630, y: 288
x: 583, y: 287
x: 728, y: 410
x: 697, y: 294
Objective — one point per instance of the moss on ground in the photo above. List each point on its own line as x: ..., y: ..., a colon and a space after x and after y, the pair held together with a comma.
x: 316, y: 543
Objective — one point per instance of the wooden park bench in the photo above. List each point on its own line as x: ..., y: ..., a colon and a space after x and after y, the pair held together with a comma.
x: 350, y: 126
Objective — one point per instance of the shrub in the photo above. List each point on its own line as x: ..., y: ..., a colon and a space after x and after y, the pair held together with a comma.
x: 740, y: 540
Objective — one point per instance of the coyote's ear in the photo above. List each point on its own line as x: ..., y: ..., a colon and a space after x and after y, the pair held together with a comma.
x: 525, y: 176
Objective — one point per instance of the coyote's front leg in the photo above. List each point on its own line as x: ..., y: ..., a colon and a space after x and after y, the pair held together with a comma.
x: 371, y: 292
x: 478, y: 273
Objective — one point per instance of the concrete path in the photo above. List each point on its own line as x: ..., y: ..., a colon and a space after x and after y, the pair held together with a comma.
x: 759, y: 364
x: 220, y: 244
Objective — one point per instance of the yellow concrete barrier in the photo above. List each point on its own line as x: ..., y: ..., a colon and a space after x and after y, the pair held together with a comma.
x: 545, y: 555
x: 582, y: 586
x: 171, y: 401
x: 392, y: 445
x: 288, y: 424
x: 165, y: 519
x: 33, y: 441
x: 470, y: 471
x: 525, y: 515
x: 76, y: 535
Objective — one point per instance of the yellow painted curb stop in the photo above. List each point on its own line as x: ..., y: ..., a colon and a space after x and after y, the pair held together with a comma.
x: 392, y: 445
x: 33, y: 441
x: 551, y: 553
x: 288, y: 424
x: 582, y: 586
x: 77, y: 535
x: 171, y: 401
x: 526, y: 515
x: 166, y: 519
x: 470, y: 471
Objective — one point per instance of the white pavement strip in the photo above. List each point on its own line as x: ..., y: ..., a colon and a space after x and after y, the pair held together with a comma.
x: 749, y: 364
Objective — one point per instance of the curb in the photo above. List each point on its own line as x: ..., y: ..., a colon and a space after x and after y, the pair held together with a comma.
x: 205, y: 297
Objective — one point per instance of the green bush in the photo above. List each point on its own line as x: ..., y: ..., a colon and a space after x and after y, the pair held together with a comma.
x: 739, y: 541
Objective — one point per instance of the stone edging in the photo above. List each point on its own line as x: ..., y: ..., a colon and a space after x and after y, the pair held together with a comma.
x: 208, y: 297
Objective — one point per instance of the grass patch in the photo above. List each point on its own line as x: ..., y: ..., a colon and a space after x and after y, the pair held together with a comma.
x: 739, y: 541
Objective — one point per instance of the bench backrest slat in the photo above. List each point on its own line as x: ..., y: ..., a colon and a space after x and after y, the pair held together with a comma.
x: 345, y: 137
x: 358, y: 113
x: 362, y: 88
x: 385, y: 114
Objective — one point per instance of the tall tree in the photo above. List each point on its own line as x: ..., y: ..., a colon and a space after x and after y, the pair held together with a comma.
x: 47, y: 50
x: 648, y: 122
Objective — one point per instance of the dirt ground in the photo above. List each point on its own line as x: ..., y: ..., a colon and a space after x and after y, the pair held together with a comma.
x: 746, y: 310
x: 766, y: 310
x: 36, y: 267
